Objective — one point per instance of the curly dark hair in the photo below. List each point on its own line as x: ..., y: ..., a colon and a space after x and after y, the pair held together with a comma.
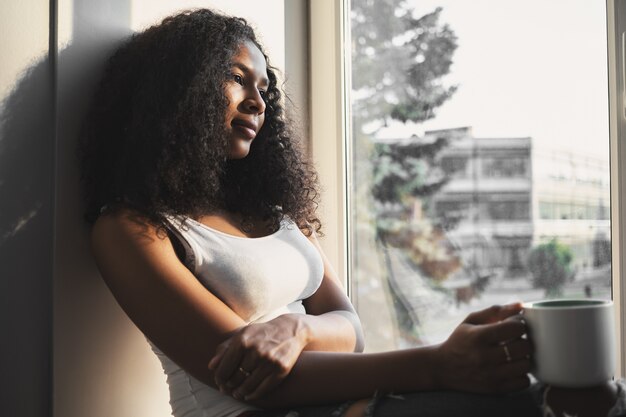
x: 155, y: 138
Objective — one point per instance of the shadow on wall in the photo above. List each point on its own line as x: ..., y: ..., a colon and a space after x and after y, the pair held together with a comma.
x: 67, y: 338
x: 26, y: 238
x: 102, y: 363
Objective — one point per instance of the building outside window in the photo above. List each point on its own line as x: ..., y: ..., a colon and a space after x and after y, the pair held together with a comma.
x: 469, y: 152
x: 455, y: 166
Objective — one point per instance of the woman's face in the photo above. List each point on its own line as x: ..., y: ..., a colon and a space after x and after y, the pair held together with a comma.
x: 245, y: 91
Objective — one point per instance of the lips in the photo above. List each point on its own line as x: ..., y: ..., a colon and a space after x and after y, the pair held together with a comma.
x: 246, y: 127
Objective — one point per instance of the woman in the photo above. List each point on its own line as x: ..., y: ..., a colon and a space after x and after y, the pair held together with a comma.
x: 204, y: 229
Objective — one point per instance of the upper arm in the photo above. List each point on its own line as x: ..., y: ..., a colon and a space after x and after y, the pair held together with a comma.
x: 331, y: 297
x: 159, y: 294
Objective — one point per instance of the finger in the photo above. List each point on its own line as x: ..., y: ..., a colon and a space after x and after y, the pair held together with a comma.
x: 250, y: 361
x: 236, y: 379
x: 244, y: 370
x: 511, y: 351
x: 494, y: 314
x: 229, y: 363
x: 516, y: 317
x: 251, y: 383
x: 219, y: 353
x: 500, y: 332
x: 267, y: 385
x: 512, y: 370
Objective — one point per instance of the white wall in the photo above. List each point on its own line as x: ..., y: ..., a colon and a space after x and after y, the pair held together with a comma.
x: 67, y: 348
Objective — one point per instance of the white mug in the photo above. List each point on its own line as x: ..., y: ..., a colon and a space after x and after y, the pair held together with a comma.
x: 573, y: 340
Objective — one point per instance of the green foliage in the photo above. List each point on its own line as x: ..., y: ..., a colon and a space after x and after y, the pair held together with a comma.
x: 550, y: 266
x: 398, y: 64
x: 399, y: 61
x: 405, y: 170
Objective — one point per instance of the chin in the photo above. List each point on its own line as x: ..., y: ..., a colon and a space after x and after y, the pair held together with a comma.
x: 238, y: 153
x: 239, y: 149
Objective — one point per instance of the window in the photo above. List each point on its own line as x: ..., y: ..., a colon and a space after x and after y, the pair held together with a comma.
x: 505, y: 167
x: 455, y: 166
x: 507, y: 210
x: 489, y: 155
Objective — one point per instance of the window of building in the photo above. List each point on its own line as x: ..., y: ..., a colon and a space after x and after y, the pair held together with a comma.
x: 507, y: 210
x: 455, y: 166
x: 505, y: 167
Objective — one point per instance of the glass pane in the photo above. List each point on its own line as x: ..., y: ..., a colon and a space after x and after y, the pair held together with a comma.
x: 479, y: 160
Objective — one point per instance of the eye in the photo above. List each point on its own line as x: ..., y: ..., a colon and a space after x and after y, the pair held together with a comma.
x: 238, y: 79
x: 263, y: 94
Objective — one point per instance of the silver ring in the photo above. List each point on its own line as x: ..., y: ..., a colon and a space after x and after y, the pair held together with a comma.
x: 243, y: 371
x: 506, y: 352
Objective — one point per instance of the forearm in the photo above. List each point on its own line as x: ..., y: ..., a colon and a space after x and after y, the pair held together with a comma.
x: 335, y: 331
x: 472, y: 359
x: 326, y: 377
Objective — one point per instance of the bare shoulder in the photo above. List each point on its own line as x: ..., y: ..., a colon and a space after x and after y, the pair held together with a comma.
x: 123, y: 229
x: 124, y: 242
x: 124, y: 224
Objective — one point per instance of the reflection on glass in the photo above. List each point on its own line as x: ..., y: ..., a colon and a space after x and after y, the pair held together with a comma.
x: 480, y: 160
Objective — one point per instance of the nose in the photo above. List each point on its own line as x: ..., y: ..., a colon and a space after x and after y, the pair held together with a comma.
x: 254, y: 103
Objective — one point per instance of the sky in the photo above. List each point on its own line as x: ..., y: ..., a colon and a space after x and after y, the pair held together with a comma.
x: 527, y: 68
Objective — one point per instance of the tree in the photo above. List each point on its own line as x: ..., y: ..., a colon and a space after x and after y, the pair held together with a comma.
x: 399, y: 62
x: 550, y: 265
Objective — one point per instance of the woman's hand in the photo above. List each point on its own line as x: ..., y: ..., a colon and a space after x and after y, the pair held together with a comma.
x: 486, y: 353
x: 259, y: 356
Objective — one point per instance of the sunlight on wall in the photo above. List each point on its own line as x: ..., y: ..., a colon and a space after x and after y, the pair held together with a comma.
x: 64, y: 24
x: 22, y: 42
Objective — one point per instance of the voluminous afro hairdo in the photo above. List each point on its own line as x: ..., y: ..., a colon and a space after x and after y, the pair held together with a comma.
x: 155, y: 138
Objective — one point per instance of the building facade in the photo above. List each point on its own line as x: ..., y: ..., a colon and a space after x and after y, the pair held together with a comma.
x: 505, y: 195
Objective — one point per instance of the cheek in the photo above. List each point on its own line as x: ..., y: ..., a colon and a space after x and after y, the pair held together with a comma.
x: 229, y: 113
x: 232, y: 97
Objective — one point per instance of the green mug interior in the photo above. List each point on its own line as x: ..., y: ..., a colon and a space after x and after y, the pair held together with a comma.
x: 567, y: 303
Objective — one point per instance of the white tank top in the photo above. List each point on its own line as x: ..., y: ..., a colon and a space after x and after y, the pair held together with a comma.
x: 259, y: 279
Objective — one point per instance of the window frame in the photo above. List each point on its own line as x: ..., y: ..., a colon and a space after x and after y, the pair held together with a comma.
x: 329, y: 126
x: 330, y: 132
x: 617, y: 129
